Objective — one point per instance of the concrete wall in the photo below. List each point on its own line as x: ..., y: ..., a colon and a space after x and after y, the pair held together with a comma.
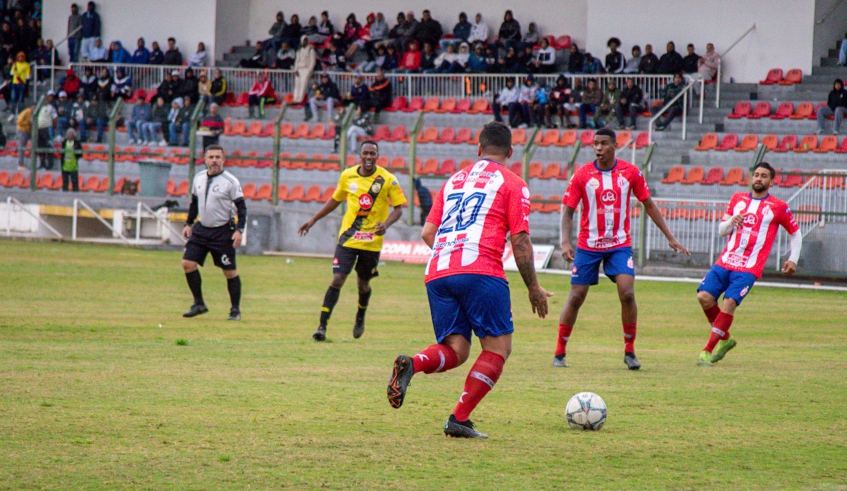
x: 831, y: 30
x: 232, y: 25
x: 552, y: 17
x: 189, y: 21
x: 782, y: 38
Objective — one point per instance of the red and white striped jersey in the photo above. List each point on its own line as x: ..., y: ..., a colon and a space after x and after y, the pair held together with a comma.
x: 474, y: 211
x: 605, y: 196
x: 750, y: 244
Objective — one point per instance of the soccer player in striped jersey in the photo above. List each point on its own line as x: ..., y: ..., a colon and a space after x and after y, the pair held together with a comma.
x: 604, y: 188
x: 751, y: 221
x: 467, y: 288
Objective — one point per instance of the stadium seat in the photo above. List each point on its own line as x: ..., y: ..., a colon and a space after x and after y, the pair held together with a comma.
x: 675, y: 175
x: 770, y: 142
x: 89, y: 184
x: 791, y: 180
x: 536, y: 170
x: 268, y: 130
x: 828, y: 144
x: 416, y: 104
x: 714, y: 176
x: 774, y: 77
x: 332, y: 166
x: 264, y: 192
x: 151, y: 94
x: 567, y: 139
x: 282, y: 192
x: 286, y: 129
x: 447, y: 135
x: 642, y: 140
x: 44, y: 181
x: 465, y: 163
x: 789, y: 142
x: 709, y: 142
x: 297, y: 193
x: 518, y: 136
x: 562, y: 42
x: 748, y: 143
x: 313, y: 194
x: 249, y: 190
x: 171, y: 188
x: 462, y: 136
x: 551, y: 137
x: 447, y: 106
x: 480, y: 106
x: 351, y: 161
x: 429, y: 135
x: 255, y: 129
x: 448, y: 167
x: 783, y: 111
x: 794, y: 76
x: 137, y: 95
x: 398, y: 163
x: 125, y: 158
x: 733, y: 177
x: 535, y: 203
x: 242, y: 100
x: 742, y: 110
x: 383, y: 161
x: 804, y: 110
x: 182, y: 189
x: 624, y: 138
x: 317, y: 132
x: 814, y: 114
x: 266, y: 161
x: 762, y: 109
x: 398, y: 104
x: 328, y: 192
x: 397, y: 134
x: 552, y: 170
x: 382, y: 132
x: 237, y: 129
x: 429, y: 167
x: 317, y: 165
x: 462, y: 106
x: 517, y: 168
x: 587, y: 138
x: 807, y: 144
x: 284, y: 160
x: 730, y: 141
x: 57, y: 183
x: 843, y: 147
x: 119, y: 185
x: 301, y: 131
x: 695, y: 175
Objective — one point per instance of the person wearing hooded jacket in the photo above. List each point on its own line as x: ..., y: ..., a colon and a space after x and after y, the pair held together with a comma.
x: 71, y: 84
x: 479, y: 31
x: 304, y: 64
x: 363, y: 37
x: 141, y: 56
x: 88, y: 83
x: 122, y: 85
x: 836, y: 105
x: 119, y: 54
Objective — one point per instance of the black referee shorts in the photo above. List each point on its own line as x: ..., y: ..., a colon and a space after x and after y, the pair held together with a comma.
x: 365, y: 262
x: 217, y: 241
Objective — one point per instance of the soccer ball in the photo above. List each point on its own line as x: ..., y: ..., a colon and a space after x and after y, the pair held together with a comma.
x: 586, y: 411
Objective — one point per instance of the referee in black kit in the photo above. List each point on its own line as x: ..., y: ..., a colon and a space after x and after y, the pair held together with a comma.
x: 213, y: 194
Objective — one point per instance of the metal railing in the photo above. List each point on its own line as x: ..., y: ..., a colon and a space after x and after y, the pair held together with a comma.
x: 96, y: 215
x: 166, y: 223
x: 720, y: 64
x: 11, y: 203
x: 669, y: 104
x: 829, y: 12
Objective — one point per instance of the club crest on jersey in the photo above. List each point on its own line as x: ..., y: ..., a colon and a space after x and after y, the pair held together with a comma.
x: 622, y: 182
x: 365, y: 202
x: 375, y: 187
x: 593, y: 183
x: 767, y: 210
x: 608, y: 197
x: 750, y: 220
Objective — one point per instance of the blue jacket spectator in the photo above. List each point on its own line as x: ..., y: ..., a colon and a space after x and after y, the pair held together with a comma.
x: 119, y: 54
x: 141, y: 55
x: 157, y: 57
x: 462, y: 30
x: 359, y: 92
x: 91, y: 22
x: 476, y: 61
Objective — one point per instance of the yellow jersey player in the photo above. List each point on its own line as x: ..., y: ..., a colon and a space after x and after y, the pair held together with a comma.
x: 369, y: 191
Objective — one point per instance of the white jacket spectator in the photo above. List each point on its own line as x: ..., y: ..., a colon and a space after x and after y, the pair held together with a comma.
x: 527, y: 94
x: 508, y: 95
x: 479, y: 31
x: 200, y: 58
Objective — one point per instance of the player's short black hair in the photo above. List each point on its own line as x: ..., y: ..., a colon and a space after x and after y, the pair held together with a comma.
x: 172, y: 39
x: 765, y: 165
x: 495, y: 138
x: 607, y: 132
x: 613, y: 40
x: 370, y: 142
x: 214, y: 146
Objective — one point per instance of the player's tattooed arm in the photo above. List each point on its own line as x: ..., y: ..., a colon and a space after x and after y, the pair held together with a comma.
x: 524, y: 258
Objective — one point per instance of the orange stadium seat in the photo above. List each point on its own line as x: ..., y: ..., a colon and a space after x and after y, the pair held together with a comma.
x: 828, y: 144
x: 416, y: 104
x: 807, y: 144
x: 264, y: 192
x: 182, y: 189
x: 255, y: 129
x: 748, y: 143
x: 103, y: 186
x: 729, y: 142
x: 249, y: 190
x: 695, y: 175
x: 314, y: 165
x: 552, y: 170
x: 475, y: 139
x: 286, y: 130
x: 89, y: 184
x: 789, y: 181
x: 44, y: 181
x: 794, y: 76
x: 465, y: 163
x: 675, y: 175
x: 762, y: 109
x: 714, y: 176
x: 398, y: 163
x: 742, y: 110
x: 236, y: 129
x: 398, y: 104
x: 517, y: 168
x: 328, y: 192
x: 551, y: 137
x: 783, y: 111
x: 789, y: 142
x: 397, y: 134
x: 447, y: 106
x: 733, y: 177
x: 297, y: 193
x: 313, y: 194
x: 447, y: 167
x: 463, y: 106
x: 624, y: 138
x: 331, y: 166
x: 642, y: 140
x: 429, y: 135
x: 57, y: 183
x: 318, y: 131
x: 428, y: 167
x: 534, y: 204
x: 518, y: 136
x: 301, y: 131
x: 268, y: 130
x: 536, y: 170
x: 709, y: 142
x: 587, y: 138
x: 774, y: 77
x: 462, y: 136
x: 447, y: 135
x: 479, y: 106
x: 804, y: 110
x: 282, y: 192
x: 843, y: 147
x: 567, y: 139
x: 383, y: 161
x: 770, y: 142
x: 151, y: 94
x: 814, y: 114
x: 382, y: 132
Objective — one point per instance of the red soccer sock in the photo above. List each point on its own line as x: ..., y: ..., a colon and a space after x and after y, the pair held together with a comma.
x: 562, y: 341
x: 480, y: 381
x: 629, y: 337
x: 435, y: 358
x: 712, y: 313
x: 720, y: 330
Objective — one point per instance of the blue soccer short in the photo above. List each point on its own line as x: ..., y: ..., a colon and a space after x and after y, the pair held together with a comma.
x: 463, y: 303
x: 733, y: 284
x: 586, y: 265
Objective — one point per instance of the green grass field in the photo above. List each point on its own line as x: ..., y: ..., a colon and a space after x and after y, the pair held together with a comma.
x: 104, y: 385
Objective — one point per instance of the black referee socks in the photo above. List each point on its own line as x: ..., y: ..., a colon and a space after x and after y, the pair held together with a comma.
x: 195, y: 284
x: 330, y: 299
x: 234, y: 287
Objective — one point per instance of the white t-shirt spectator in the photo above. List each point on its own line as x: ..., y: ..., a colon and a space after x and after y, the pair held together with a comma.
x: 46, y: 116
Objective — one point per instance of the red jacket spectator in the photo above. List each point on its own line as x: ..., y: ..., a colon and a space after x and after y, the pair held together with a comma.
x: 412, y: 59
x: 262, y: 87
x: 71, y: 85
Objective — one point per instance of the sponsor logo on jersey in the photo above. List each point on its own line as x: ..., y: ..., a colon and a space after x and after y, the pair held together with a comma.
x: 736, y: 261
x: 574, y: 271
x: 606, y: 243
x: 593, y: 183
x: 629, y: 263
x: 458, y: 178
x: 335, y: 261
x: 750, y: 220
x: 745, y: 290
x: 366, y: 202
x: 225, y: 260
x: 364, y: 236
x: 608, y: 197
x: 353, y: 187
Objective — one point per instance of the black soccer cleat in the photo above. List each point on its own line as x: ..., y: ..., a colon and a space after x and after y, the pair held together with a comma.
x: 358, y: 329
x: 319, y: 334
x: 631, y: 361
x: 196, y: 310
x: 401, y: 376
x: 461, y: 429
x: 234, y: 314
